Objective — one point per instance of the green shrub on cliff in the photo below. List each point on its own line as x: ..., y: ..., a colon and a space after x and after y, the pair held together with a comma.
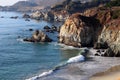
x: 116, y: 14
x: 113, y: 3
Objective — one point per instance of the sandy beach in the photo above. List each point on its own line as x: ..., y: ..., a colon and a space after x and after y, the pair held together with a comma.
x: 111, y: 74
x: 85, y: 70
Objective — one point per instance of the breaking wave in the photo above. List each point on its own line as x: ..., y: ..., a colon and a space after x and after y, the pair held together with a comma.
x: 79, y: 58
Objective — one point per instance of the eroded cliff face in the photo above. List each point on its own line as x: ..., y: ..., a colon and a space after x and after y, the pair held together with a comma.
x: 98, y: 27
x: 79, y: 31
x: 111, y: 35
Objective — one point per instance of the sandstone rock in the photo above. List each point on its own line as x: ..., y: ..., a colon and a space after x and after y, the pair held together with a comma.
x: 111, y: 35
x: 38, y: 36
x: 36, y: 15
x: 79, y: 30
x: 113, y: 51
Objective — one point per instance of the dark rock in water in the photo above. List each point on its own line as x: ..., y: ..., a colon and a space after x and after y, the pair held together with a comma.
x: 51, y: 30
x: 26, y: 16
x: 30, y: 29
x: 38, y: 36
x: 46, y: 27
x: 97, y: 54
x: 49, y: 16
x: 27, y: 19
x: 98, y: 51
x: 102, y: 50
x: 2, y: 17
x: 18, y: 36
x: 54, y: 28
x: 14, y: 17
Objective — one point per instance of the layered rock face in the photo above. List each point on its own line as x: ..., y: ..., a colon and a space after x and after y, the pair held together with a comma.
x: 38, y: 36
x: 111, y: 35
x: 79, y: 31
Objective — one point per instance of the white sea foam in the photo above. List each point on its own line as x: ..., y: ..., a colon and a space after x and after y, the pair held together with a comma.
x: 75, y: 59
x: 21, y: 40
x: 41, y: 75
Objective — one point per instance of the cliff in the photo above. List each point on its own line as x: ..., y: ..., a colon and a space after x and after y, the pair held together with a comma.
x: 98, y: 27
x: 111, y: 35
x: 73, y: 6
x: 79, y: 31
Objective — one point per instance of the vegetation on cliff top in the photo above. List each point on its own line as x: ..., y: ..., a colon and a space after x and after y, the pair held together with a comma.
x: 113, y: 3
x: 77, y: 6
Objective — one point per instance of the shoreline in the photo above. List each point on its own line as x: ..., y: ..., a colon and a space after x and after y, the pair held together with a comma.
x: 84, y: 70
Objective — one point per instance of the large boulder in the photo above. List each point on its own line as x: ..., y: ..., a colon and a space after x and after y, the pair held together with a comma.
x: 79, y: 31
x: 38, y: 36
x: 37, y: 15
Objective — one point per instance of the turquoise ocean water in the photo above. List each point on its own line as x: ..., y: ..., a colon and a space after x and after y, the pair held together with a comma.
x: 20, y: 60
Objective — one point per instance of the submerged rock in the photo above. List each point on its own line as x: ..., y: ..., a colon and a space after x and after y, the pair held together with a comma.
x: 14, y: 17
x: 30, y: 29
x: 38, y: 36
x: 51, y: 29
x: 27, y: 19
x: 2, y: 17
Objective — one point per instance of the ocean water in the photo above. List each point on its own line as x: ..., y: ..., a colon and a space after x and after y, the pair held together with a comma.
x: 21, y: 60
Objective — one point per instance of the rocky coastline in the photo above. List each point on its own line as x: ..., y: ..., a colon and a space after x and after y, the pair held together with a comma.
x: 96, y: 30
x: 97, y: 27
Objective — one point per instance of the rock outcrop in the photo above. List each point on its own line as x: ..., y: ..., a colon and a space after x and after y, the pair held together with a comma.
x: 49, y: 16
x: 79, y: 31
x: 98, y: 27
x: 37, y: 15
x: 38, y: 36
x: 111, y: 35
x: 26, y: 15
